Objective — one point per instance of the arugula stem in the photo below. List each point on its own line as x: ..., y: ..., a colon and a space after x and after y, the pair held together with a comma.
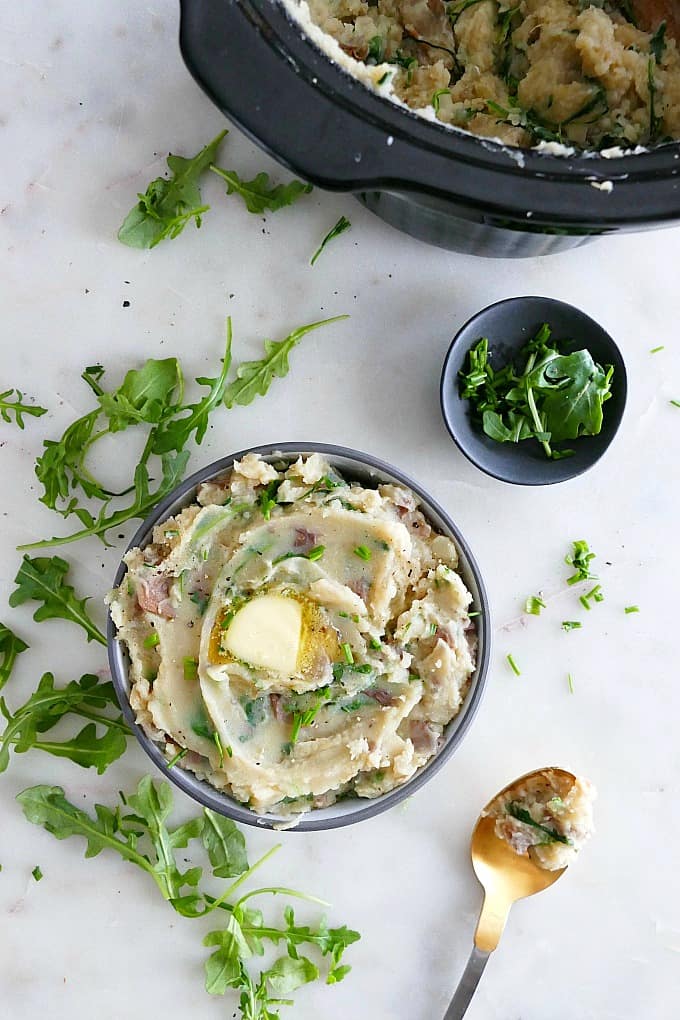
x: 537, y: 421
x: 275, y: 890
x: 242, y: 878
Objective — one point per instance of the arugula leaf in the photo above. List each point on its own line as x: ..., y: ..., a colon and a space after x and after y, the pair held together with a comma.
x: 42, y: 579
x: 145, y: 395
x: 253, y: 378
x: 522, y: 815
x: 340, y: 227
x: 287, y: 974
x: 17, y: 407
x: 258, y: 195
x: 174, y: 433
x: 10, y: 647
x: 576, y: 388
x: 88, y: 698
x: 225, y: 845
x: 168, y: 205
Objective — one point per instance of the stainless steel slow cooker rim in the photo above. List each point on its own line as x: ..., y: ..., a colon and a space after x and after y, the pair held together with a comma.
x: 207, y: 795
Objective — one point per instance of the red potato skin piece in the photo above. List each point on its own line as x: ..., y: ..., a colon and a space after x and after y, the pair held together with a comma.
x: 152, y: 596
x: 650, y: 13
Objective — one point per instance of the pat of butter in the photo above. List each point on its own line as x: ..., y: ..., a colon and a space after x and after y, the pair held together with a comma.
x: 266, y: 632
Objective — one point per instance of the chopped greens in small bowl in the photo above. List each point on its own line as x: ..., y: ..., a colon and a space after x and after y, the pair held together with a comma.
x: 533, y: 390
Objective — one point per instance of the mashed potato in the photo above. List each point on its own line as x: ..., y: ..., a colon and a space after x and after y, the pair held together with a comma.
x: 522, y: 71
x: 296, y: 638
x: 548, y: 816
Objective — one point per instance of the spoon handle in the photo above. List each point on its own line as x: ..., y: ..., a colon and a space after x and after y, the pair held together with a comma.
x: 467, y: 984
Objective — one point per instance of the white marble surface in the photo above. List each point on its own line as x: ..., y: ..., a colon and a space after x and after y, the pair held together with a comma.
x: 89, y: 94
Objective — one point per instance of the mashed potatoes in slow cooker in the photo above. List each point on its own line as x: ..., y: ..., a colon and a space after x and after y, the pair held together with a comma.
x: 522, y: 71
x: 296, y: 638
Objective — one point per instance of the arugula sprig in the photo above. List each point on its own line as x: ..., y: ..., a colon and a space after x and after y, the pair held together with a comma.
x: 168, y: 204
x: 259, y: 195
x: 150, y: 397
x: 140, y: 833
x: 90, y: 699
x: 555, y: 397
x: 43, y: 579
x: 10, y: 647
x: 11, y: 403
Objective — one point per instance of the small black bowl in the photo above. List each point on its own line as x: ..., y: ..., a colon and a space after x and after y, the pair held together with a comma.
x: 508, y: 325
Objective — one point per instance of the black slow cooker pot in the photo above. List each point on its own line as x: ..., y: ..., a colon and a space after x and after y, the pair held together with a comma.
x: 445, y: 187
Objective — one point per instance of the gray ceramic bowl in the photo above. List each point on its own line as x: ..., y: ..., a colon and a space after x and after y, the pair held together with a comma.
x: 370, y: 472
x: 508, y: 325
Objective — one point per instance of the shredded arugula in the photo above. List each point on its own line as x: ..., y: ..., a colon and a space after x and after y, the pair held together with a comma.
x: 555, y: 397
x: 42, y: 579
x: 259, y: 195
x: 16, y: 407
x: 10, y: 647
x: 140, y: 833
x: 168, y: 205
x: 522, y: 815
x: 90, y: 699
x: 340, y: 227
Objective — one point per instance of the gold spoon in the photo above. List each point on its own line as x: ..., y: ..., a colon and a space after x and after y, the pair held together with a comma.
x: 506, y: 877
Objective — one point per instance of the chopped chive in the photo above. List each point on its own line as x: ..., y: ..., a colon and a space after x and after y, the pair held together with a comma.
x: 596, y: 593
x: 433, y: 629
x: 584, y: 602
x: 571, y: 624
x: 343, y: 614
x: 190, y: 669
x: 374, y: 643
x: 675, y: 403
x: 316, y: 553
x: 533, y: 605
x: 475, y: 612
x: 513, y: 665
x: 171, y: 533
x: 151, y: 640
x: 177, y: 757
x: 228, y: 751
x: 632, y: 609
x: 363, y: 552
x: 570, y: 681
x: 655, y: 350
x: 218, y: 745
x: 37, y: 873
x: 347, y: 652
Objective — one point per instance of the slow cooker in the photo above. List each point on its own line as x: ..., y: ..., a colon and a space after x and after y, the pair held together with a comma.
x: 445, y: 187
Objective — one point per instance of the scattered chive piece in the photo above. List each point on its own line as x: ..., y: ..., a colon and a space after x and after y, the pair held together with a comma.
x: 347, y: 652
x: 570, y: 681
x: 218, y: 745
x: 675, y: 403
x: 596, y: 593
x: 190, y: 669
x: 580, y: 559
x: 37, y: 873
x: 151, y: 640
x: 316, y: 553
x: 228, y: 751
x: 340, y: 227
x: 343, y: 614
x: 363, y: 552
x: 374, y: 643
x: 584, y: 602
x: 475, y: 612
x: 632, y: 609
x: 513, y: 665
x: 433, y: 629
x: 571, y: 624
x: 655, y: 350
x: 534, y: 605
x: 177, y: 757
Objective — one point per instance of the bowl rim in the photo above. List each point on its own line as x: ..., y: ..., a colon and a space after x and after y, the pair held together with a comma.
x: 221, y: 802
x: 448, y: 394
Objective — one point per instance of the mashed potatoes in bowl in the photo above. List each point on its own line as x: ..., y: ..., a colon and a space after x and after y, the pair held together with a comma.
x: 299, y: 634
